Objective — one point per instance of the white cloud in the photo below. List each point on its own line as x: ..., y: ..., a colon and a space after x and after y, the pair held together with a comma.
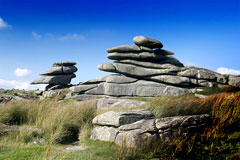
x: 74, y: 36
x: 13, y: 84
x: 3, y: 24
x: 224, y: 70
x: 20, y: 72
x: 36, y: 36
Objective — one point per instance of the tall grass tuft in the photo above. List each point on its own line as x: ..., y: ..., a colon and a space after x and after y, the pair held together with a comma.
x: 58, y: 122
x: 221, y: 140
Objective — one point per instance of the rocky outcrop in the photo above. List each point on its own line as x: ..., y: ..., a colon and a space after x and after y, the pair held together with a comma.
x: 136, y: 128
x: 147, y: 70
x: 175, y: 127
x: 60, y: 73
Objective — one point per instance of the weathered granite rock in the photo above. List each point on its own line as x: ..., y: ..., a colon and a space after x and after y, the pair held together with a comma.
x: 147, y: 42
x: 145, y: 131
x: 103, y: 103
x: 118, y: 118
x: 135, y: 71
x: 173, y: 127
x: 131, y: 55
x: 57, y: 79
x: 158, y: 65
x: 200, y: 73
x: 139, y: 88
x: 128, y: 48
x: 234, y: 81
x: 56, y: 70
x: 104, y: 133
x: 163, y: 52
x: 61, y: 74
x: 82, y: 88
x: 137, y: 134
x: 120, y: 79
x: 66, y: 63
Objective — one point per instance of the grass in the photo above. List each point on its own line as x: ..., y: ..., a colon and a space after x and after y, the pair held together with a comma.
x: 61, y: 123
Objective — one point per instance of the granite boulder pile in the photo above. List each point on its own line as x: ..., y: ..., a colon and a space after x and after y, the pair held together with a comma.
x: 57, y: 76
x: 147, y: 70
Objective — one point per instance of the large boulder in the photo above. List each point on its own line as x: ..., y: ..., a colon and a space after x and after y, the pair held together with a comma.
x: 234, y: 81
x: 140, y: 88
x: 57, y: 79
x: 136, y: 71
x: 173, y: 127
x: 147, y: 42
x: 137, y: 134
x: 59, y: 70
x: 157, y: 65
x: 119, y: 118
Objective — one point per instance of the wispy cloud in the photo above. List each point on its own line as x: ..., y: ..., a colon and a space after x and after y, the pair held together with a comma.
x: 36, y: 35
x: 13, y: 84
x: 224, y: 70
x: 20, y: 72
x: 4, y: 24
x: 74, y: 36
x: 70, y: 36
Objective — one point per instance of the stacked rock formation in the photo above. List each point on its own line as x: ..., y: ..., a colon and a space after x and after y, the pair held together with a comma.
x: 147, y: 70
x: 60, y: 74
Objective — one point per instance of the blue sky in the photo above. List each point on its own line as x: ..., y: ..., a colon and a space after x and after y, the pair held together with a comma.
x: 36, y: 33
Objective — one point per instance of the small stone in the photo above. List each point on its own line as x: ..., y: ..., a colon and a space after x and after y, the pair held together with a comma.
x: 75, y: 148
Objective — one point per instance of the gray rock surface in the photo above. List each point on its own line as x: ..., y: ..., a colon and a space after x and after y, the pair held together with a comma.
x: 82, y: 88
x: 56, y: 70
x: 140, y: 56
x: 120, y: 79
x: 163, y: 52
x: 57, y: 79
x: 147, y: 64
x: 145, y: 131
x: 140, y: 88
x: 147, y: 42
x: 174, y: 127
x: 135, y: 71
x: 128, y: 48
x: 103, y: 103
x: 75, y: 148
x: 234, y: 80
x: 66, y: 63
x: 104, y: 133
x: 118, y: 118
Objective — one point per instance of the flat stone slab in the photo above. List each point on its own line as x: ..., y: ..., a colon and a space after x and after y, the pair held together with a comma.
x: 66, y: 63
x: 118, y: 118
x: 57, y: 79
x: 135, y: 71
x: 59, y: 70
x: 128, y: 48
x: 163, y: 52
x: 113, y: 102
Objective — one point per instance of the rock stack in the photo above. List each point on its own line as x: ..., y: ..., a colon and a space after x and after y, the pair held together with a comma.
x: 146, y: 70
x: 59, y: 75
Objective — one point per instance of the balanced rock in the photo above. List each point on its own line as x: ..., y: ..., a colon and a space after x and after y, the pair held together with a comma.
x: 61, y: 73
x: 147, y: 42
